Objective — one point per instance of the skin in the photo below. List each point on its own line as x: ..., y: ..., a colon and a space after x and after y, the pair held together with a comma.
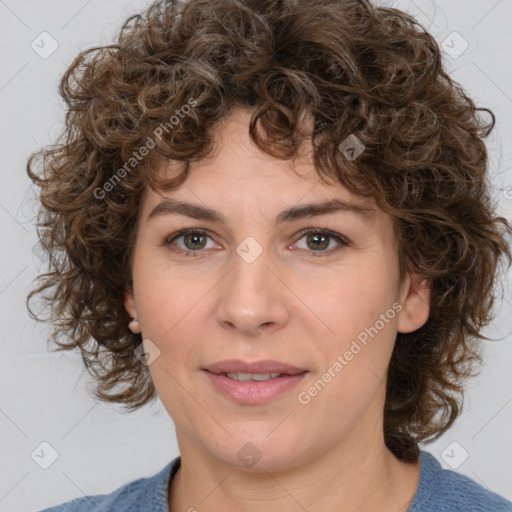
x: 286, y: 305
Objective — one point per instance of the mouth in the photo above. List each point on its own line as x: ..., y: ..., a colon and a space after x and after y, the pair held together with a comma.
x: 268, y: 367
x: 252, y: 377
x: 253, y: 383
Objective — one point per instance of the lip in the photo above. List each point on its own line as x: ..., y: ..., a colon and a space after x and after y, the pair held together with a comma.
x: 265, y: 366
x: 254, y: 392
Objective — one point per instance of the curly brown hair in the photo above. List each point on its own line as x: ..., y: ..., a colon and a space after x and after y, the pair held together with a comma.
x: 353, y: 68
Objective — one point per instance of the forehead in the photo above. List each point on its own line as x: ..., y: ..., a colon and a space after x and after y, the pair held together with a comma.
x: 239, y: 177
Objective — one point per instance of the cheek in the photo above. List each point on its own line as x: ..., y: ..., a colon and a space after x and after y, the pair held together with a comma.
x: 357, y: 306
x: 167, y: 299
x: 170, y: 372
x: 352, y: 299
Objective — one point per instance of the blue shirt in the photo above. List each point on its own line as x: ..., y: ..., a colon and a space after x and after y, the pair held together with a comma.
x: 439, y: 490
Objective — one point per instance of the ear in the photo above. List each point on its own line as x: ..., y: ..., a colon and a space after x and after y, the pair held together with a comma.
x: 415, y: 304
x: 129, y: 304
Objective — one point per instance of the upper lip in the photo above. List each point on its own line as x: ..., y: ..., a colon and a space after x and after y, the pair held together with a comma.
x: 266, y: 366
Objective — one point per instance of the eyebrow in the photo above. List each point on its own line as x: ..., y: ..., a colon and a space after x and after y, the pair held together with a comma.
x: 174, y: 207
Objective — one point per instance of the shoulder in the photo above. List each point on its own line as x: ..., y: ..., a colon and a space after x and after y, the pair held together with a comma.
x: 444, y: 490
x: 142, y: 494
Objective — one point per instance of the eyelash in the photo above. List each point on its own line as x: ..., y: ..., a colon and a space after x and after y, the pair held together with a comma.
x: 317, y: 254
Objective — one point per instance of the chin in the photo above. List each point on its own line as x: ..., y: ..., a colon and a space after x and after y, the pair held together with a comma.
x: 259, y: 453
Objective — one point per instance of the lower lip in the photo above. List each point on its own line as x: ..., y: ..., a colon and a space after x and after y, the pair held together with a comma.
x: 254, y: 392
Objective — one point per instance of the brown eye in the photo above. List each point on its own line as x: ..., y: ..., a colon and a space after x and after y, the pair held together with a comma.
x: 318, y: 241
x: 193, y: 241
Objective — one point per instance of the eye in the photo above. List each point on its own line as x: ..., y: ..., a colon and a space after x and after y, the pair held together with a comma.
x: 317, y: 241
x: 194, y: 240
x: 320, y: 239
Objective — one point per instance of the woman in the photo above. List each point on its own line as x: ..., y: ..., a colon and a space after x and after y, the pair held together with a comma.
x: 275, y: 217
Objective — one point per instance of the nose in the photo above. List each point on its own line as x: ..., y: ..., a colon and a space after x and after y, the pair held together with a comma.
x: 253, y: 296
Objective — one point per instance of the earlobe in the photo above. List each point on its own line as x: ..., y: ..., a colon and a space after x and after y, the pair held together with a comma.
x: 416, y: 304
x: 129, y: 304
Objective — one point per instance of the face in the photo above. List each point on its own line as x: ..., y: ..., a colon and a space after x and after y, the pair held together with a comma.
x: 252, y: 285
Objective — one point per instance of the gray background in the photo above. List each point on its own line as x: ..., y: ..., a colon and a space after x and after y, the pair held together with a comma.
x: 44, y: 397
